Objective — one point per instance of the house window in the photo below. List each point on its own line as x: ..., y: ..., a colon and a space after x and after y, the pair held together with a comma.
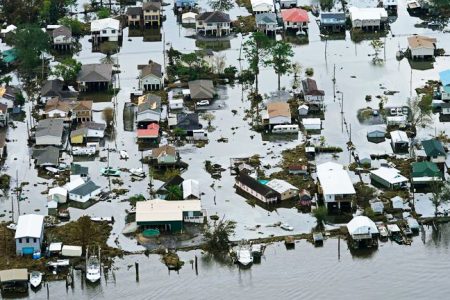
x: 20, y: 241
x: 34, y: 240
x: 104, y: 31
x: 155, y: 17
x: 27, y: 240
x: 134, y: 16
x: 209, y: 24
x: 113, y: 31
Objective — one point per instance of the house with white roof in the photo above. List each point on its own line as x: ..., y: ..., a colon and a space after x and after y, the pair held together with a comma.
x: 372, y: 18
x: 283, y: 188
x: 29, y: 234
x: 191, y: 189
x: 362, y: 228
x: 168, y: 215
x: 105, y: 30
x: 335, y: 185
x: 388, y: 177
x: 262, y: 6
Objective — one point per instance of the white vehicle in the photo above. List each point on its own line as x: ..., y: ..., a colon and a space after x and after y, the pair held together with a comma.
x: 93, y: 269
x: 203, y: 103
x: 285, y: 128
x: 287, y: 227
x: 138, y: 172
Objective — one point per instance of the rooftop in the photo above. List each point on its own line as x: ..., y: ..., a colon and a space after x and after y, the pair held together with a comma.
x: 334, y: 180
x: 276, y: 109
x: 391, y: 175
x: 280, y: 186
x: 97, y: 25
x: 95, y: 73
x: 420, y: 41
x: 29, y: 226
x: 158, y: 210
x: 433, y: 148
x: 255, y: 185
x: 214, y: 17
x: 294, y: 15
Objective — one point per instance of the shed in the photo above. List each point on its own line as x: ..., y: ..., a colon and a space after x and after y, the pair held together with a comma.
x: 303, y: 110
x: 421, y: 46
x: 361, y: 227
x: 71, y: 251
x: 388, y: 177
x: 176, y: 104
x: 58, y: 194
x: 283, y: 188
x: 55, y: 248
x: 376, y: 136
x: 84, y: 192
x: 312, y: 123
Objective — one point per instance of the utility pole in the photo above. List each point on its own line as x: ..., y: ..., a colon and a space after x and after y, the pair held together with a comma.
x: 334, y: 82
x: 17, y: 192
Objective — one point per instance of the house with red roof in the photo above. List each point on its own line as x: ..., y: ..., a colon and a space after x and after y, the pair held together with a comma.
x: 148, y: 135
x: 295, y: 19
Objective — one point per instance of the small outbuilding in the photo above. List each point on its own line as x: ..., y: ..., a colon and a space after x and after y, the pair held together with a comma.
x: 312, y: 123
x: 397, y: 202
x: 388, y: 177
x: 399, y: 141
x: 362, y: 228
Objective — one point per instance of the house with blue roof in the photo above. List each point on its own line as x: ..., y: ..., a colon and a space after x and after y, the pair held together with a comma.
x: 444, y: 76
x: 266, y: 22
x: 332, y: 21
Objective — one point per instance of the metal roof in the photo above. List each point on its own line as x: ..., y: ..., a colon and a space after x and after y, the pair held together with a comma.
x: 29, y: 226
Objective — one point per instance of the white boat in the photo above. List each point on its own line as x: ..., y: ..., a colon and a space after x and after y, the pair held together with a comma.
x: 287, y: 227
x: 244, y: 256
x: 52, y: 170
x: 93, y: 269
x: 124, y: 154
x: 12, y: 226
x: 383, y: 231
x: 102, y: 219
x: 138, y: 172
x: 59, y: 263
x: 257, y: 250
x: 35, y: 279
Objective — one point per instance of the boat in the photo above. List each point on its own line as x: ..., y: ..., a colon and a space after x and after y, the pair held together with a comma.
x: 93, y: 269
x: 110, y: 171
x: 35, y: 279
x: 12, y: 226
x: 58, y: 264
x: 138, y: 172
x: 395, y: 234
x: 318, y: 238
x: 413, y: 224
x: 289, y: 241
x: 52, y: 170
x: 407, y: 231
x: 64, y: 214
x: 244, y: 256
x: 287, y: 227
x: 124, y: 154
x: 102, y: 219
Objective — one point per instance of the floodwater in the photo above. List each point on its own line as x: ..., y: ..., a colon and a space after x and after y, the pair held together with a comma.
x: 420, y: 273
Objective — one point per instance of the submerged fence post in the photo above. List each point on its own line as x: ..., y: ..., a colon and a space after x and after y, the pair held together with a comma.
x: 196, y: 265
x: 339, y: 247
x: 136, y: 266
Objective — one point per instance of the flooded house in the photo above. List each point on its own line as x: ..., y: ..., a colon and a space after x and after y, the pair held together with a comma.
x: 425, y: 173
x: 332, y: 22
x: 312, y: 124
x: 57, y: 194
x: 94, y: 77
x: 277, y: 113
x: 262, y: 6
x: 335, y: 186
x: 14, y: 281
x: 295, y: 19
x: 168, y: 216
x: 151, y: 11
x: 363, y: 232
x: 148, y: 135
x: 252, y: 187
x: 376, y: 136
x: 46, y: 156
x: 188, y: 122
x: 148, y: 110
x: 284, y: 189
x: 371, y: 18
x: 8, y: 95
x: 444, y: 77
x: 435, y: 152
x: 191, y: 189
x: 134, y: 16
x: 49, y: 132
x: 81, y: 111
x: 216, y: 24
x: 399, y: 141
x: 421, y: 47
x: 57, y: 88
x: 188, y: 18
x: 94, y: 131
x: 62, y: 38
x: 83, y: 193
x: 165, y: 155
x: 29, y: 234
x: 55, y: 108
x: 202, y: 89
x: 267, y: 22
x: 390, y: 5
x: 150, y: 77
x: 312, y: 94
x: 105, y: 30
x: 389, y: 178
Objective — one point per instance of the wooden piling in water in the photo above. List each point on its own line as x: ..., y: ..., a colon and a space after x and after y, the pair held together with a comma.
x: 196, y: 265
x: 136, y: 266
x: 48, y: 292
x: 339, y: 247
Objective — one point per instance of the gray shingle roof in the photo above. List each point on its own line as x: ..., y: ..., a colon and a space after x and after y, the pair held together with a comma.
x: 56, y: 88
x: 62, y: 30
x: 85, y: 189
x: 52, y: 127
x: 201, y: 89
x: 95, y: 73
x: 135, y: 10
x: 152, y: 68
x: 266, y: 18
x: 46, y: 156
x: 214, y: 17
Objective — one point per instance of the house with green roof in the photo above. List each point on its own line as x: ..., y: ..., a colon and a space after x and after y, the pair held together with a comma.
x: 435, y: 151
x: 9, y: 56
x: 424, y: 173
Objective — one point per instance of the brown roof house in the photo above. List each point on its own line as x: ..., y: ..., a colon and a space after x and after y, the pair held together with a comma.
x: 57, y: 108
x: 421, y: 47
x: 134, y: 15
x: 311, y: 93
x: 152, y: 14
x: 277, y: 113
x: 165, y: 155
x: 62, y: 38
x: 57, y: 88
x: 95, y: 77
x: 151, y: 77
x: 201, y: 89
x: 82, y: 111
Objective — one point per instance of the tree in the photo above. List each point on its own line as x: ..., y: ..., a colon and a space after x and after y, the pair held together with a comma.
x: 208, y: 117
x: 20, y: 99
x: 280, y: 59
x: 217, y: 237
x: 30, y: 42
x: 68, y: 70
x: 320, y: 213
x: 103, y: 13
x: 219, y: 64
x: 418, y: 116
x: 440, y: 194
x: 221, y: 5
x: 174, y: 192
x: 108, y: 116
x: 78, y: 28
x: 377, y: 46
x: 6, y: 80
x: 297, y: 71
x: 255, y: 51
x: 21, y: 11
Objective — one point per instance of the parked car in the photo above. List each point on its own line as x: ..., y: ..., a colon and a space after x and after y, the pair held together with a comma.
x: 203, y: 103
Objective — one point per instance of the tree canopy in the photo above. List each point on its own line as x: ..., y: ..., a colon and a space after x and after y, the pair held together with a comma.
x: 256, y: 49
x: 68, y: 70
x: 280, y: 59
x: 221, y: 5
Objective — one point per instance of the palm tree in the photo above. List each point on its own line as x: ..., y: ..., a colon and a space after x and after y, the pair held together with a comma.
x: 174, y: 192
